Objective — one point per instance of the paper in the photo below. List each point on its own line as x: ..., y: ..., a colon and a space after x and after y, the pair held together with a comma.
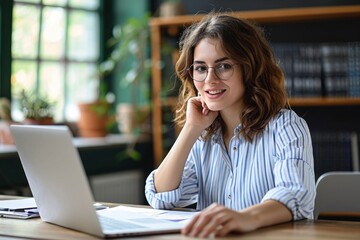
x: 169, y: 215
x: 17, y: 204
x: 23, y: 208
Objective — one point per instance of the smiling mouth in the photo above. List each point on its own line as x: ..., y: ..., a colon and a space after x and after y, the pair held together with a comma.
x: 215, y: 92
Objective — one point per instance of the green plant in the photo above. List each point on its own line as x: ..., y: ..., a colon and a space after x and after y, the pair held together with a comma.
x: 129, y: 44
x: 36, y: 107
x: 129, y: 54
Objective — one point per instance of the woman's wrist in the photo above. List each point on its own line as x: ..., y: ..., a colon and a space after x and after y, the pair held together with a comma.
x: 194, y: 130
x: 267, y: 213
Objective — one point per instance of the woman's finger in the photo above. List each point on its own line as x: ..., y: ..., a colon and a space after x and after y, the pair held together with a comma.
x: 188, y: 228
x: 199, y: 225
x: 204, y: 224
x: 216, y: 223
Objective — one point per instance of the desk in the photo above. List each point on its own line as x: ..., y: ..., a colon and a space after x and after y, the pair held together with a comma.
x: 299, y: 230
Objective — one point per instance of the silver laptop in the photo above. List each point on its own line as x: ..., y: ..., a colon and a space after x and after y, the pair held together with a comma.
x: 61, y: 190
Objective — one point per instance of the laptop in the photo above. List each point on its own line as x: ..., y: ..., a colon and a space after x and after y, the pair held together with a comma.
x: 62, y: 193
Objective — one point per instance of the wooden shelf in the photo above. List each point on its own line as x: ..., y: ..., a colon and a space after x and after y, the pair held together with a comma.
x: 284, y: 15
x: 271, y: 16
x: 324, y: 101
x: 296, y: 102
x: 169, y: 102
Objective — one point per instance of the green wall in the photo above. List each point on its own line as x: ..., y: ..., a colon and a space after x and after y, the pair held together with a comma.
x: 124, y: 10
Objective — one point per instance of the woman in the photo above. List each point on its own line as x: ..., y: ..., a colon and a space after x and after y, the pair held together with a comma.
x: 242, y: 155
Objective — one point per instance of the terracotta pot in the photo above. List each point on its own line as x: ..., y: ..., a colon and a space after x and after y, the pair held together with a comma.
x: 40, y: 121
x: 93, y: 119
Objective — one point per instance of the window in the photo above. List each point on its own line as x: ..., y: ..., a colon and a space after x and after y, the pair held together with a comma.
x: 55, y: 51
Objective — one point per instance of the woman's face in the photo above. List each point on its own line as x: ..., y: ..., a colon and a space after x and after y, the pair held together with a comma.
x: 226, y: 94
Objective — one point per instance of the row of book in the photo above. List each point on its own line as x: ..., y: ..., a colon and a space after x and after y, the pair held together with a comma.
x: 335, y: 151
x: 320, y: 69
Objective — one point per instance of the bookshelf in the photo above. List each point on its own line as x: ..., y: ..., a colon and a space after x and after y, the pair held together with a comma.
x: 160, y: 25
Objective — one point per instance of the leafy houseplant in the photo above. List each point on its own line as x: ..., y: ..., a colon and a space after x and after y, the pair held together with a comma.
x: 129, y: 54
x: 36, y: 109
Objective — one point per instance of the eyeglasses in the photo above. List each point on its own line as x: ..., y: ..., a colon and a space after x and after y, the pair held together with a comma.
x: 199, y: 72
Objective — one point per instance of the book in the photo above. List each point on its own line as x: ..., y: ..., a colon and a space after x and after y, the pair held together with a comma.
x: 334, y: 151
x: 320, y: 69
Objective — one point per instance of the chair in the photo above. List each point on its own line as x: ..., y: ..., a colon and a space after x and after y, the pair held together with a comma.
x: 338, y: 195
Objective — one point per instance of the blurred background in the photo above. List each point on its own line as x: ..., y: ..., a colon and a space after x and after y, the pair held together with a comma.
x: 112, y: 62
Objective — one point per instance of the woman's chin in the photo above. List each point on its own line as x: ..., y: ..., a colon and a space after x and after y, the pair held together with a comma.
x: 214, y: 108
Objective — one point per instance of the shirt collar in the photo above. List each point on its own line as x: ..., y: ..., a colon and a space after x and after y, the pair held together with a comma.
x: 217, y: 137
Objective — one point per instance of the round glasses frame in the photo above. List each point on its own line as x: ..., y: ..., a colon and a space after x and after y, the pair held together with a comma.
x: 217, y: 71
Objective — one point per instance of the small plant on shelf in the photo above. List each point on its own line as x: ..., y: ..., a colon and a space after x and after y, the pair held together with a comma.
x: 36, y: 109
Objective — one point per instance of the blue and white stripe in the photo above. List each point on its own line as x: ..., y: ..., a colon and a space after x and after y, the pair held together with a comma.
x: 278, y: 165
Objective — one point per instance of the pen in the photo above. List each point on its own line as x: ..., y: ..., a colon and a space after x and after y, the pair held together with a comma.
x: 16, y: 214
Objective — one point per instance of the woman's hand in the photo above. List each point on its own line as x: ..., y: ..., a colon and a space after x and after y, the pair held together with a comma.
x: 169, y: 174
x: 219, y: 221
x: 198, y: 114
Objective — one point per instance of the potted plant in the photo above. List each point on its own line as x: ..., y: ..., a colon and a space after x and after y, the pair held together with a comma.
x: 94, y: 118
x: 130, y: 44
x: 36, y: 109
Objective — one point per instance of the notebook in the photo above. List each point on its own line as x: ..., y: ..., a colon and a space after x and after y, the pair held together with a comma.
x: 62, y: 193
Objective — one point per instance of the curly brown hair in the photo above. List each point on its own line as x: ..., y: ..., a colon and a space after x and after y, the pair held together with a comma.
x: 244, y: 42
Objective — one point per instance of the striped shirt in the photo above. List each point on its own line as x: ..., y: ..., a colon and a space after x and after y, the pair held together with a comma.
x: 277, y: 165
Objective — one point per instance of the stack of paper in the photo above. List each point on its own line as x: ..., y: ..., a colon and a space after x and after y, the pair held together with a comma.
x: 23, y: 208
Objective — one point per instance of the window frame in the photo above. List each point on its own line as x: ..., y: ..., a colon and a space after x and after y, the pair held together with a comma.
x: 6, y: 58
x: 5, y: 48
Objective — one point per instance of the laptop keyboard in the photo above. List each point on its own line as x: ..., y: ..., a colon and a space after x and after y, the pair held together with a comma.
x: 113, y: 224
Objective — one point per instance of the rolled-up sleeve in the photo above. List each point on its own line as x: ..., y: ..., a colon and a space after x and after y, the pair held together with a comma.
x: 294, y: 167
x: 186, y: 194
